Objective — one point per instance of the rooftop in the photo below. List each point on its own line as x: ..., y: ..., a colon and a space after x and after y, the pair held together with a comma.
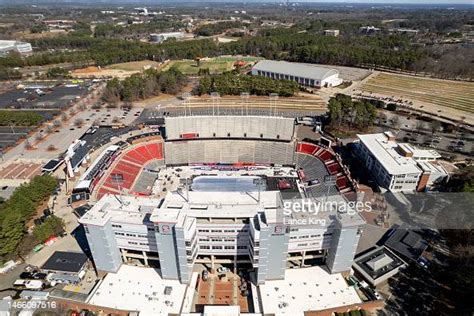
x: 218, y: 204
x: 7, y: 43
x: 127, y: 209
x: 407, y: 243
x: 388, y: 154
x: 139, y: 289
x: 63, y: 261
x: 377, y: 263
x: 306, y: 289
x: 329, y: 209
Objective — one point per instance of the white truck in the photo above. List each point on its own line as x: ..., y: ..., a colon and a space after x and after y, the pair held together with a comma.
x: 29, y: 284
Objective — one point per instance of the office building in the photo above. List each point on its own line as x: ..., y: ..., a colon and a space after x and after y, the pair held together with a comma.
x: 399, y: 167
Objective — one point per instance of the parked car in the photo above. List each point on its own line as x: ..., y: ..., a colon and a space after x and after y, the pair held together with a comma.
x: 33, y: 275
x: 205, y: 275
x: 223, y: 270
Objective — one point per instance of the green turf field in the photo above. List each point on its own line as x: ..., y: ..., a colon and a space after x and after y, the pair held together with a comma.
x: 216, y: 65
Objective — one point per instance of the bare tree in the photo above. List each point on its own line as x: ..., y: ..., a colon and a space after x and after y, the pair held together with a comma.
x: 381, y: 117
x: 396, y: 122
x: 419, y: 126
x: 435, y: 126
x: 78, y: 122
x: 82, y: 107
x: 28, y: 144
x: 64, y: 117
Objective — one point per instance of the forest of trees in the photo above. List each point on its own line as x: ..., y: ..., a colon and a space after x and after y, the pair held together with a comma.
x: 135, y: 31
x: 216, y: 28
x: 391, y: 51
x: 234, y: 84
x: 343, y: 112
x: 144, y: 85
x: 19, y: 208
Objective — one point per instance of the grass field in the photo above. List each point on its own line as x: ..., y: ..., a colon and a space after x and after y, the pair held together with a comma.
x: 216, y: 65
x: 442, y: 93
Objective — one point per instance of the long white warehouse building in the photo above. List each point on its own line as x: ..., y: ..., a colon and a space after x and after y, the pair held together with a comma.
x: 304, y: 74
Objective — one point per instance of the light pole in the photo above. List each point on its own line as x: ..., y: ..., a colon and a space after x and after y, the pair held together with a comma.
x: 244, y: 96
x: 215, y: 100
x: 273, y: 101
x: 186, y: 96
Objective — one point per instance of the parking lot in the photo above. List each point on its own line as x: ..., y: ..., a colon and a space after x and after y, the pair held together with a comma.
x: 418, y: 132
x: 70, y: 130
x: 43, y: 95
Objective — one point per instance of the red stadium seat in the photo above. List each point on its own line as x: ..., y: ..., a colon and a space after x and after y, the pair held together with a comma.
x: 334, y: 168
x: 129, y: 167
x: 342, y: 183
x: 306, y: 148
x: 325, y: 155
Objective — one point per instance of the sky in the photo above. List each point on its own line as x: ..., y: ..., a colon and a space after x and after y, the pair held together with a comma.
x: 396, y: 1
x: 301, y: 1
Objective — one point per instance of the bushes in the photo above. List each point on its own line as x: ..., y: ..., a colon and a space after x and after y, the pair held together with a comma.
x: 57, y: 72
x: 19, y: 208
x: 9, y: 74
x: 234, y: 84
x: 22, y: 118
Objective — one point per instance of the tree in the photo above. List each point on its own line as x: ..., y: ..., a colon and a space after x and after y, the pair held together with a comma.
x: 391, y: 107
x: 52, y: 226
x: 419, y: 126
x: 57, y: 72
x: 435, y: 126
x: 396, y: 121
x: 78, y: 122
x: 20, y: 207
x: 144, y: 85
x: 381, y: 117
x: 344, y: 111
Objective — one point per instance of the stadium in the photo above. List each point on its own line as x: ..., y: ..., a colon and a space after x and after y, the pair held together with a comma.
x: 210, y: 190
